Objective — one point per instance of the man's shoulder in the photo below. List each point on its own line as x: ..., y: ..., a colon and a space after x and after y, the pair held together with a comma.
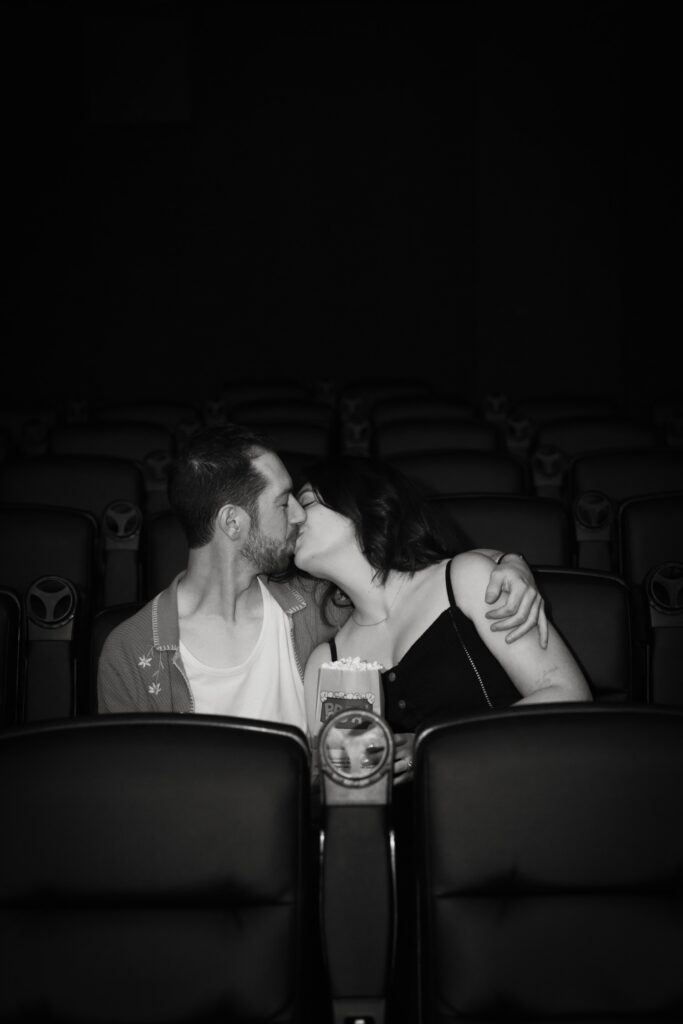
x: 130, y: 627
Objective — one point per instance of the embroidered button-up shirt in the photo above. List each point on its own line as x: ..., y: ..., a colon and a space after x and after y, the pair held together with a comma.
x: 140, y: 667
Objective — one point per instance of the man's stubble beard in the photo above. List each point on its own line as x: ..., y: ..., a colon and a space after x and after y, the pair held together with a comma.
x: 266, y: 555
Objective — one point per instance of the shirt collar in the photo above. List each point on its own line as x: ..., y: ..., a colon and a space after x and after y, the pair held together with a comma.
x: 165, y: 627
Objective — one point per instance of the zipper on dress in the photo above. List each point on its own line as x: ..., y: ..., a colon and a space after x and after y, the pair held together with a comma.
x: 471, y: 661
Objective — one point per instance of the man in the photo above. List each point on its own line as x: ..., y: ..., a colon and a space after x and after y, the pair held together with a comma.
x: 226, y: 637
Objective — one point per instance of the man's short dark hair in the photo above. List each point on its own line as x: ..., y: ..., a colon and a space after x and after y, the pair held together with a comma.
x: 215, y: 468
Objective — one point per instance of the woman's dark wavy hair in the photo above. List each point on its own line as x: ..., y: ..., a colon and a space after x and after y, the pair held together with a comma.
x: 395, y: 528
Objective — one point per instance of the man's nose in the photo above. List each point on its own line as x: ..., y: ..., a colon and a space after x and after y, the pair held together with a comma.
x: 297, y: 514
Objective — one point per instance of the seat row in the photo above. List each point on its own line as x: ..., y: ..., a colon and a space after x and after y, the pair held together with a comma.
x: 482, y: 487
x: 126, y: 550
x: 445, y: 442
x: 627, y: 638
x: 190, y: 868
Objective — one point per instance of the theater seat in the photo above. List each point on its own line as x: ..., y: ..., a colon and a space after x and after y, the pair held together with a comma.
x: 538, y: 527
x: 181, y: 418
x: 10, y: 646
x: 463, y: 472
x: 403, y: 437
x: 48, y: 560
x: 558, y: 442
x: 166, y: 553
x: 311, y: 438
x: 111, y: 489
x: 420, y: 407
x: 236, y: 393
x: 154, y: 869
x: 650, y: 531
x: 597, y: 485
x: 150, y: 445
x: 261, y: 412
x: 593, y: 611
x: 550, y: 853
x: 541, y: 409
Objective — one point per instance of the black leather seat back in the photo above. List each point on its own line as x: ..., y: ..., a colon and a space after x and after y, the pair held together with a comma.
x: 401, y: 437
x: 576, y: 437
x: 48, y: 557
x: 538, y: 527
x: 166, y: 553
x: 593, y: 612
x: 627, y: 474
x: 550, y: 858
x: 87, y: 482
x: 39, y: 540
x: 10, y: 646
x: 153, y: 868
x: 601, y: 482
x: 463, y: 472
x: 111, y: 489
x: 650, y: 530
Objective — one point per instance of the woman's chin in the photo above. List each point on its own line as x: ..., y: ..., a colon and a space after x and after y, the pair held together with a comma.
x: 304, y: 564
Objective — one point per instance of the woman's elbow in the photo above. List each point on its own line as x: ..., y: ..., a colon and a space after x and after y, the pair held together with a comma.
x: 571, y: 690
x: 574, y: 690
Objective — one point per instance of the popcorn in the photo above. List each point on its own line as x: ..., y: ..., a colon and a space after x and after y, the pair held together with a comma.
x: 355, y: 664
x: 348, y: 684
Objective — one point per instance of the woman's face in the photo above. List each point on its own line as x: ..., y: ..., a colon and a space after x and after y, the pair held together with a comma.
x: 324, y: 536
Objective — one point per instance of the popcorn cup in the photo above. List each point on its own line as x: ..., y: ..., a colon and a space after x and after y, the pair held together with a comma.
x: 347, y: 685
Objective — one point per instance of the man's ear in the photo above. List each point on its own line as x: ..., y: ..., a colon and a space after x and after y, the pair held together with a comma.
x: 232, y: 520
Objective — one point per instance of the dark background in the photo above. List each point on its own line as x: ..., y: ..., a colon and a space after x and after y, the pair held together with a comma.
x: 479, y: 194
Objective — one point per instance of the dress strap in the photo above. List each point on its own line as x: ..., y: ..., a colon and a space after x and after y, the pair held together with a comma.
x: 449, y: 587
x: 455, y: 613
x: 333, y: 649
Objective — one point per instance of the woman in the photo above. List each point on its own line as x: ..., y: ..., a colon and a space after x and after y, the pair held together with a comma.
x: 423, y: 615
x: 417, y: 611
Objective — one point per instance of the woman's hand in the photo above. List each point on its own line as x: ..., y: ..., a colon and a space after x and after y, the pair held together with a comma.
x: 517, y: 604
x: 403, y: 757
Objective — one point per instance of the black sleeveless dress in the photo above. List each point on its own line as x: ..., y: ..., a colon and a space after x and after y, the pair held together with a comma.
x: 448, y: 671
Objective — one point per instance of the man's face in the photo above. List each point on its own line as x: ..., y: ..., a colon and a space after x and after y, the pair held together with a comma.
x: 274, y: 529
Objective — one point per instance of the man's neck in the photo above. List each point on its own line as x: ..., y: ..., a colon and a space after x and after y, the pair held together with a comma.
x: 210, y: 588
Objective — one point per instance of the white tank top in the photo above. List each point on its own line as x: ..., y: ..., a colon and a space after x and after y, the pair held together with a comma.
x: 266, y: 686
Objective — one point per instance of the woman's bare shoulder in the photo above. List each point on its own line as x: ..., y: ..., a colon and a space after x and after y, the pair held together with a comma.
x: 470, y: 564
x: 470, y: 574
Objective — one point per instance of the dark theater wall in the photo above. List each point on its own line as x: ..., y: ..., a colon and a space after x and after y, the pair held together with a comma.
x: 200, y: 193
x: 551, y: 178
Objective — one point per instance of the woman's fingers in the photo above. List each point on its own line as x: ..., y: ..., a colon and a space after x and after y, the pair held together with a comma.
x: 536, y: 617
x: 515, y: 628
x: 510, y: 615
x: 531, y: 613
x: 519, y: 607
x: 403, y: 756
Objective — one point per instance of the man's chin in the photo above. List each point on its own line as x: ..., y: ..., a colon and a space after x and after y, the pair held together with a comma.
x: 282, y: 564
x: 269, y: 563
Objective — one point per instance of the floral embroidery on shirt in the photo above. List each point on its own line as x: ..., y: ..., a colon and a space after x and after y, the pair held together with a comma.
x: 145, y: 661
x: 155, y: 687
